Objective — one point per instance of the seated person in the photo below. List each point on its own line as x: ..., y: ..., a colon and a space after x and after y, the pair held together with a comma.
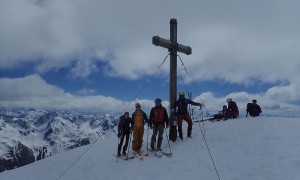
x: 221, y: 115
x: 233, y: 110
x: 253, y: 108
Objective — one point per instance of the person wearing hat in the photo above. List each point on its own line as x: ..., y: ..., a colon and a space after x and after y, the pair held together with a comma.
x: 182, y: 113
x: 158, y: 119
x: 233, y: 110
x: 139, y: 118
x: 124, y: 130
x: 253, y: 108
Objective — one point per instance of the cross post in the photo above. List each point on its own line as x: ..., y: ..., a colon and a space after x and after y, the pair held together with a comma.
x: 173, y: 47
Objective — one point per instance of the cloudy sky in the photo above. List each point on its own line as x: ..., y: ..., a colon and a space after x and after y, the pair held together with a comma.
x: 98, y: 55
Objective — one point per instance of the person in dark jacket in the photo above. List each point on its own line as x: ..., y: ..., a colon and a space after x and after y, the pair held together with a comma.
x: 182, y: 113
x: 124, y: 130
x: 233, y: 110
x: 253, y: 108
x: 158, y: 118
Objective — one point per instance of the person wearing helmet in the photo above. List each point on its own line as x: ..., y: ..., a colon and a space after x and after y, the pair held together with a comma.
x: 182, y: 113
x: 139, y: 118
x: 233, y: 110
x: 158, y: 118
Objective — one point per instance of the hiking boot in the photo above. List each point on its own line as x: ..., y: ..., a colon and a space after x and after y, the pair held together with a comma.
x: 152, y: 147
x: 189, y: 136
x: 181, y: 137
x: 119, y: 154
x: 137, y: 151
x: 159, y: 149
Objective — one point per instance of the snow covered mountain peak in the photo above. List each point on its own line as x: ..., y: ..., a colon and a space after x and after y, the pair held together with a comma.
x: 28, y: 135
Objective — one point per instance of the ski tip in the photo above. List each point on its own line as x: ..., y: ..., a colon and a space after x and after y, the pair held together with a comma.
x: 129, y: 158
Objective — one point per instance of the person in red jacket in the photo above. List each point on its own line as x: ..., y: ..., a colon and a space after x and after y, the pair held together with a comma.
x: 158, y: 118
x: 233, y: 110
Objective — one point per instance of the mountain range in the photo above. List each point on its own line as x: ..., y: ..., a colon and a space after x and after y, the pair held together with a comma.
x: 29, y: 135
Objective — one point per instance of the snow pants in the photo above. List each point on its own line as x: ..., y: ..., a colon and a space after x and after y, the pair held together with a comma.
x: 121, y: 143
x: 138, y: 133
x: 188, y: 119
x: 157, y: 129
x: 231, y: 114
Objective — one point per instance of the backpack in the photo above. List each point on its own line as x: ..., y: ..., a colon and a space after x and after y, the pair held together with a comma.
x: 250, y: 108
x: 253, y: 109
x: 158, y: 115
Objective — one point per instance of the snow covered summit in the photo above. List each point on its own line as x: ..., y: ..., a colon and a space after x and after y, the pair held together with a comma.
x: 262, y: 148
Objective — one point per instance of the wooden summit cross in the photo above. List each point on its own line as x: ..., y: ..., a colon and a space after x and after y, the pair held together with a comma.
x: 173, y: 47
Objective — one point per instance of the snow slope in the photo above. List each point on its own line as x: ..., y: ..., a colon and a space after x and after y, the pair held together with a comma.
x: 263, y: 148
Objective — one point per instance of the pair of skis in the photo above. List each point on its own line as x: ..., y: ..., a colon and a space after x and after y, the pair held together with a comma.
x: 160, y: 153
x: 140, y: 155
x: 126, y: 157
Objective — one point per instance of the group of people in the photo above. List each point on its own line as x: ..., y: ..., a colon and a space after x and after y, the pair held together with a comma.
x: 158, y: 122
x: 231, y: 111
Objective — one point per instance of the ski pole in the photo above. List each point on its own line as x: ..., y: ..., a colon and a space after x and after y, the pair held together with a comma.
x: 129, y: 142
x: 168, y: 140
x: 155, y: 143
x: 147, y: 140
x: 119, y: 139
x: 202, y: 119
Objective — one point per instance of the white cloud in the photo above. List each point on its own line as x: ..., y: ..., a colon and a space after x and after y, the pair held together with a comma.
x: 33, y: 91
x: 230, y: 42
x: 238, y: 42
x: 284, y: 93
x: 85, y: 92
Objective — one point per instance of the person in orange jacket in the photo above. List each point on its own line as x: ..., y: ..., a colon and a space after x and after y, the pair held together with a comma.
x: 139, y: 118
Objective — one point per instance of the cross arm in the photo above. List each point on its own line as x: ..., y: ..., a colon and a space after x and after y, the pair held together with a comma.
x: 158, y: 41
